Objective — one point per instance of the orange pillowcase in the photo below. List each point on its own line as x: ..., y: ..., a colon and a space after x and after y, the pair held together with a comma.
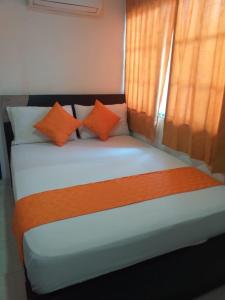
x: 101, y: 120
x: 58, y: 125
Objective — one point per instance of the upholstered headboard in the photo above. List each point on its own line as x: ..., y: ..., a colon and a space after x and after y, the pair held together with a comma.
x: 49, y: 100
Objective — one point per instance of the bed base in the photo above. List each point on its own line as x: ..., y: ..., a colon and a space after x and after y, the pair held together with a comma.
x: 182, y: 274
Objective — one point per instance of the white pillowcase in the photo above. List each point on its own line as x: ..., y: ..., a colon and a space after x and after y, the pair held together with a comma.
x: 23, y: 118
x: 119, y: 109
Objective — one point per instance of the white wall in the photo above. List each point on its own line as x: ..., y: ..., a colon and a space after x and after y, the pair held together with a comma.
x: 42, y: 53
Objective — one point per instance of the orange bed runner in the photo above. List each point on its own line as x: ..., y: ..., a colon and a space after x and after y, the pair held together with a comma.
x: 60, y: 204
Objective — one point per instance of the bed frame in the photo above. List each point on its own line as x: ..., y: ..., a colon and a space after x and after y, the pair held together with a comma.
x: 182, y: 274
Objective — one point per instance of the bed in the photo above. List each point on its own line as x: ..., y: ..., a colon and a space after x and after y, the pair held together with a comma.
x: 74, y: 251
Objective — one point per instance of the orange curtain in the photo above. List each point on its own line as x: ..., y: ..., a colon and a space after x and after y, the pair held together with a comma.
x: 149, y: 32
x: 218, y: 162
x: 195, y: 116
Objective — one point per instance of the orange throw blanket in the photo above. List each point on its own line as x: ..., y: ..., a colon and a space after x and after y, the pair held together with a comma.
x: 55, y: 205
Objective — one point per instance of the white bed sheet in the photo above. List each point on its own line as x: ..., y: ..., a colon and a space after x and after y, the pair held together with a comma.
x: 70, y: 251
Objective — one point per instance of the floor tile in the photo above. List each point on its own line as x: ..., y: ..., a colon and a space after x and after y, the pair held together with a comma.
x: 9, y: 261
x: 218, y: 294
x: 12, y: 286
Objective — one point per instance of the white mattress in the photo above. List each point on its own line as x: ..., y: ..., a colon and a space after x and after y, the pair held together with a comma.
x: 73, y: 250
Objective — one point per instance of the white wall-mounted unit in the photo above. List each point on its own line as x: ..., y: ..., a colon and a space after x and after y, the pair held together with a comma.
x: 87, y: 7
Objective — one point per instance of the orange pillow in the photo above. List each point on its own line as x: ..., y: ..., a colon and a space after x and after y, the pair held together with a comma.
x: 101, y: 120
x: 58, y: 125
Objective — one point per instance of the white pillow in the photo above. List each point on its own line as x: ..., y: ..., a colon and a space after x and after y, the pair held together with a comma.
x: 119, y: 109
x: 23, y: 118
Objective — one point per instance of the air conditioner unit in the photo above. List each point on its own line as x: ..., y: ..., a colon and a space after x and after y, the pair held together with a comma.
x: 87, y: 7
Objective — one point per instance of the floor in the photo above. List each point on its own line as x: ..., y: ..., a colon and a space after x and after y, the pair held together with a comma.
x: 11, y: 272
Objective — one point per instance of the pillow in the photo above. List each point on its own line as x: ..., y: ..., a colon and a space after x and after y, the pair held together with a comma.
x: 58, y: 125
x: 101, y: 120
x: 121, y: 127
x: 23, y: 118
